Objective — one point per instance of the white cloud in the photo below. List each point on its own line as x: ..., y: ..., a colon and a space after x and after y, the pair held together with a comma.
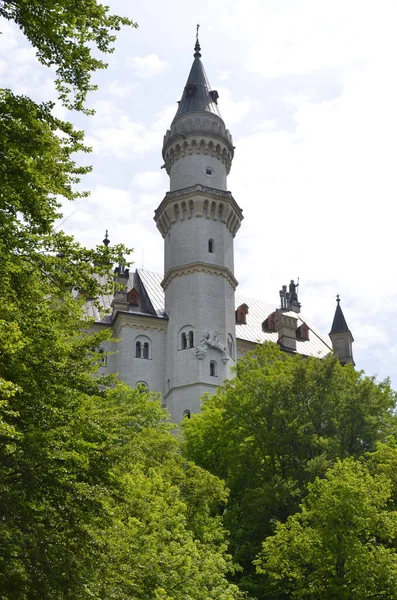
x: 319, y: 202
x: 115, y: 134
x: 306, y: 35
x: 148, y: 180
x: 127, y: 216
x: 121, y: 89
x: 233, y: 110
x: 148, y: 66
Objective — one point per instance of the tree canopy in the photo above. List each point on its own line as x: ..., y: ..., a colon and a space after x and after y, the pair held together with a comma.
x: 66, y: 34
x: 342, y: 542
x: 282, y: 421
x: 96, y: 499
x: 98, y: 502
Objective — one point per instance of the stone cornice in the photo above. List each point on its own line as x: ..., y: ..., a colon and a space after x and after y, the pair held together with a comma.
x: 198, y: 201
x: 199, y: 267
x: 209, y: 191
x: 190, y: 385
x: 199, y: 132
x: 141, y: 322
x: 208, y: 143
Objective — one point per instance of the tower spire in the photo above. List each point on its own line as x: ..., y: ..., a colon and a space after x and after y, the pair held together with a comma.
x: 341, y: 336
x: 198, y: 130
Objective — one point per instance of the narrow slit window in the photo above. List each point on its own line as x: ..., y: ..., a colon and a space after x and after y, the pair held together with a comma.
x: 138, y: 350
x: 213, y: 369
x: 146, y: 350
x: 211, y: 246
x: 191, y: 339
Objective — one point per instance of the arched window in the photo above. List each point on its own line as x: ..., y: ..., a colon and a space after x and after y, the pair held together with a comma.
x: 186, y: 337
x: 213, y: 369
x: 187, y: 414
x: 142, y: 386
x: 102, y: 358
x: 211, y: 246
x: 183, y: 340
x: 143, y: 347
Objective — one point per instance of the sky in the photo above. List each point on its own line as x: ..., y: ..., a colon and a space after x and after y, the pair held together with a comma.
x: 308, y: 90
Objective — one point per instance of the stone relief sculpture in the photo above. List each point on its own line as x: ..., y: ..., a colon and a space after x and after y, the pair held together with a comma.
x: 211, y: 340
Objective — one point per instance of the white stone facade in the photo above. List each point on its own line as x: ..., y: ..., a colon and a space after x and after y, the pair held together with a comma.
x: 177, y: 333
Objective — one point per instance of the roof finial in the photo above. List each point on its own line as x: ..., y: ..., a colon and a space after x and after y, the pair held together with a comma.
x: 197, y: 45
x: 106, y: 241
x: 337, y: 298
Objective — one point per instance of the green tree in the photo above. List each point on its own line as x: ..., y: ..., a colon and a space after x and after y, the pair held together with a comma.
x: 165, y: 542
x: 67, y: 34
x: 96, y: 498
x: 342, y: 543
x: 98, y: 502
x: 47, y: 481
x: 282, y: 421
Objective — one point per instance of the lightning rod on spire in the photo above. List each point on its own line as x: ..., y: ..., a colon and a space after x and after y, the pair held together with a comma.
x: 197, y: 45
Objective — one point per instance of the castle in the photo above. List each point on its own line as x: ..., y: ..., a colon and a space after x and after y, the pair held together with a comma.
x: 180, y: 334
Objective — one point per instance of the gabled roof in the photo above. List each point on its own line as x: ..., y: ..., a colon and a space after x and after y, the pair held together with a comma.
x: 200, y: 98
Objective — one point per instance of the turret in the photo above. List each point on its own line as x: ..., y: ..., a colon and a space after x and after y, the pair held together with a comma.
x: 198, y: 220
x: 341, y: 336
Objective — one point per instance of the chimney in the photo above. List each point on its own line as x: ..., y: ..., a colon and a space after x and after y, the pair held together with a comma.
x: 286, y: 325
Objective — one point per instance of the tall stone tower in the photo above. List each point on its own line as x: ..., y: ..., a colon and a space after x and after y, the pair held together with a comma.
x: 198, y: 220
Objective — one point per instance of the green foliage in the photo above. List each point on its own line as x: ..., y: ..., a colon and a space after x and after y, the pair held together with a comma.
x: 342, y: 543
x: 65, y: 33
x: 277, y: 425
x: 98, y: 502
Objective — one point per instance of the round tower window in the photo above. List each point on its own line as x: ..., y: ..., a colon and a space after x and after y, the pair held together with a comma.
x: 209, y: 171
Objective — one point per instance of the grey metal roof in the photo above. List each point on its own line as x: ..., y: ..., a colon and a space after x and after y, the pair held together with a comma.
x: 152, y: 284
x: 200, y: 99
x: 105, y: 300
x: 258, y: 311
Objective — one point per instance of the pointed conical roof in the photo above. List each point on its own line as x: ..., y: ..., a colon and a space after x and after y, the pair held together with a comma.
x: 339, y: 324
x: 197, y: 95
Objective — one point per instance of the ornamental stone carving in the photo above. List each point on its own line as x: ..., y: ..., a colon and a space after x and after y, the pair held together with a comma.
x: 211, y: 340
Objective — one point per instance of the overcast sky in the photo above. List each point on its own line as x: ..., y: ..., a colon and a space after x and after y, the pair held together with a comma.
x: 308, y: 90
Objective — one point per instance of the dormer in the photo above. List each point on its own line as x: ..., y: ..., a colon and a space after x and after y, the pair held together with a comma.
x: 269, y: 324
x: 241, y: 314
x: 133, y: 297
x: 302, y: 333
